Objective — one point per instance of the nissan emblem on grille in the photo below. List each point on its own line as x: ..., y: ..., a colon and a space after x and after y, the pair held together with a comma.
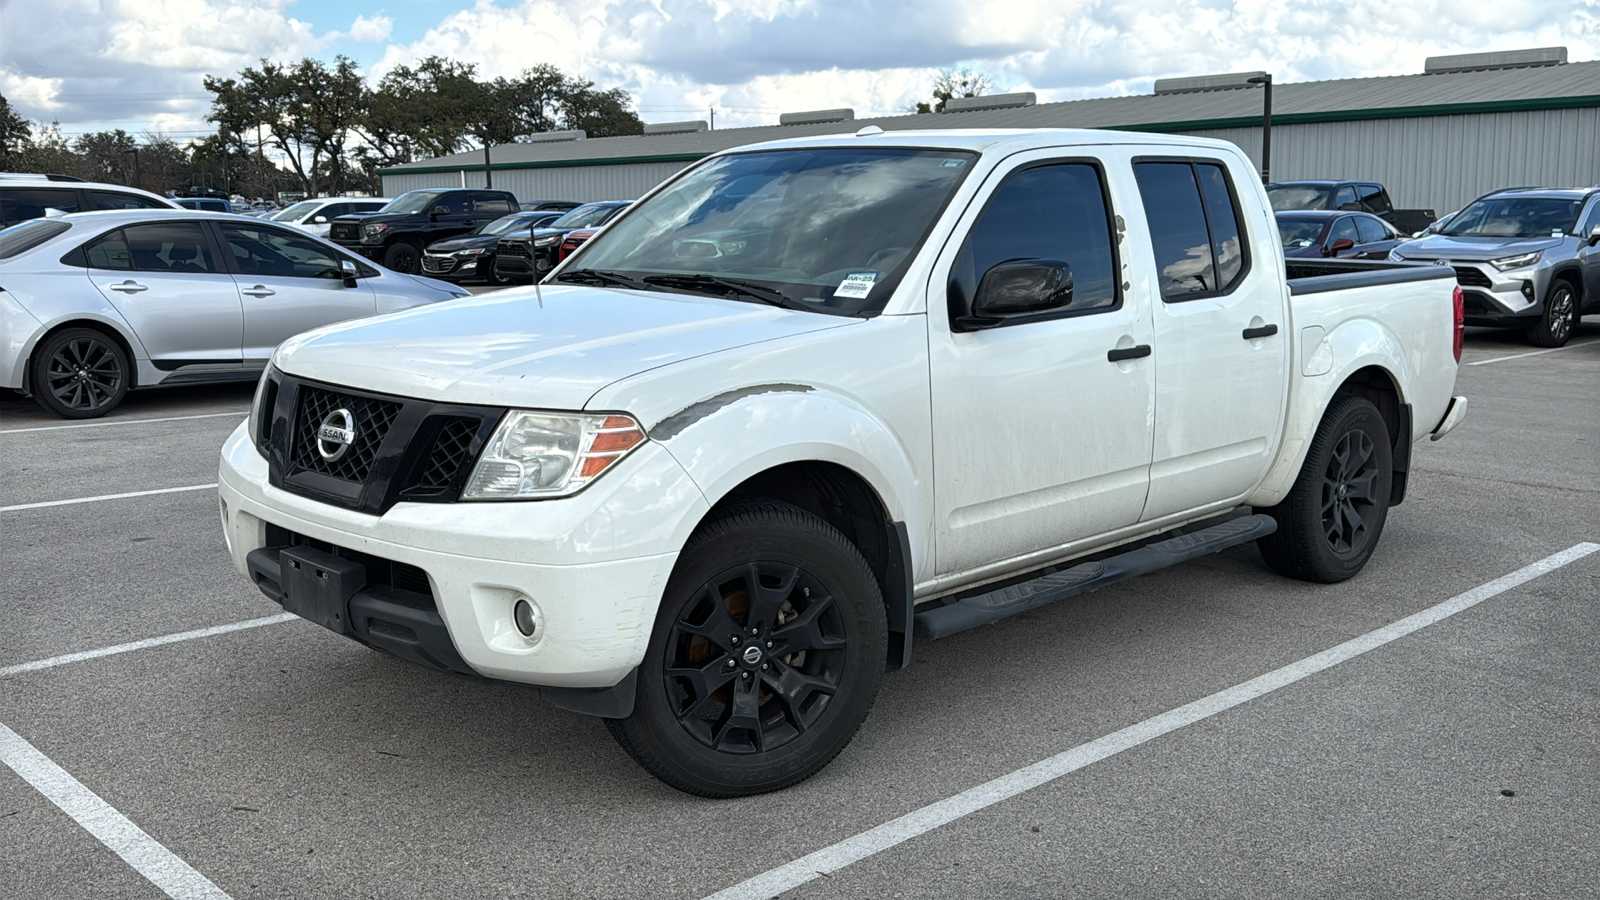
x: 336, y: 433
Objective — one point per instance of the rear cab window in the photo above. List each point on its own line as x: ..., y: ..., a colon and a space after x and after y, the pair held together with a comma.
x: 1193, y: 213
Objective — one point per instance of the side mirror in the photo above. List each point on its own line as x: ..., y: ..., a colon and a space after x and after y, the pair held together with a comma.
x: 1018, y: 287
x: 1340, y: 246
x: 1594, y: 236
x: 438, y: 211
x: 347, y: 270
x: 319, y: 220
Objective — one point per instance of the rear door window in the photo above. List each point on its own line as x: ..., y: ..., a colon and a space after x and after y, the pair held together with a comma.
x: 1371, y: 230
x: 491, y: 205
x: 1345, y: 198
x: 108, y: 251
x: 22, y: 204
x: 1374, y: 199
x: 169, y: 247
x: 1194, y: 227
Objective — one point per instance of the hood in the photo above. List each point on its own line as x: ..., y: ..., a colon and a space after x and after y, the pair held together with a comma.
x: 466, y: 242
x: 1476, y: 248
x: 372, y: 217
x: 548, y: 348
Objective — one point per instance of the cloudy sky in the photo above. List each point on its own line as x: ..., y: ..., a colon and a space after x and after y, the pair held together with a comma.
x: 138, y: 64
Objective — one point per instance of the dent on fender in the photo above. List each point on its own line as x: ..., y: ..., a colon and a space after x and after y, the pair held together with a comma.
x: 673, y: 425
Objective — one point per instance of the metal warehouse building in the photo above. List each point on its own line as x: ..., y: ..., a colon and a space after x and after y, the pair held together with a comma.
x: 1467, y: 125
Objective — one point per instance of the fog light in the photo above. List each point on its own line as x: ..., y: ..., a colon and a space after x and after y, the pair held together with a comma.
x: 1527, y: 290
x: 522, y: 614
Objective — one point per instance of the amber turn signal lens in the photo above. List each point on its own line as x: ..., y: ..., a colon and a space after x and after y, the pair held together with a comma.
x: 615, y: 441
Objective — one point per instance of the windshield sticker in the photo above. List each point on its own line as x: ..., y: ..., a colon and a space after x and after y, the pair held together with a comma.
x: 856, y: 285
x: 952, y: 163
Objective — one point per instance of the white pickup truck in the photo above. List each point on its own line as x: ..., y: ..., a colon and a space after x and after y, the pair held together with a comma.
x: 813, y: 399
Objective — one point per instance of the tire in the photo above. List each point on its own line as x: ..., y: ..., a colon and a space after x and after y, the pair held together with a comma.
x: 79, y: 373
x: 721, y: 715
x: 403, y: 257
x: 495, y: 278
x: 1560, y: 317
x: 1332, y: 518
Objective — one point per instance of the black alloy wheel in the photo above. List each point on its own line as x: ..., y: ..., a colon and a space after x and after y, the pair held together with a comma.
x: 1560, y: 317
x: 486, y: 266
x: 1349, y: 492
x: 79, y: 373
x: 754, y: 660
x: 1331, y: 520
x: 767, y: 654
x: 402, y: 257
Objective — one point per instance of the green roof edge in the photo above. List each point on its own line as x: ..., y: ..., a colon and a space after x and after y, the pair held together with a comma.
x: 1336, y: 115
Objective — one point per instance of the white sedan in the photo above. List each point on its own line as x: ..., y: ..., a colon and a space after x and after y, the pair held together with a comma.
x: 93, y: 304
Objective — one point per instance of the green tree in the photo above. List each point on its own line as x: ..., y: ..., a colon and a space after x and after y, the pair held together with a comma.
x: 107, y: 156
x: 15, y: 136
x: 952, y: 83
x: 49, y: 151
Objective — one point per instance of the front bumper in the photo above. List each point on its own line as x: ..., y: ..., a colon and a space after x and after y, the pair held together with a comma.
x: 1500, y: 299
x: 594, y: 564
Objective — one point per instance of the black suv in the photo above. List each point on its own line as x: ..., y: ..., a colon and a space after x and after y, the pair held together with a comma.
x: 525, y: 256
x: 396, y: 234
x: 1347, y: 196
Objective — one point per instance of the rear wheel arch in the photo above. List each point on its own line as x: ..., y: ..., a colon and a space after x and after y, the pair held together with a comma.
x: 1380, y: 387
x: 94, y: 325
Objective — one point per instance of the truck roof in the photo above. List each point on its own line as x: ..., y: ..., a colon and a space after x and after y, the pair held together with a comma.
x: 980, y: 140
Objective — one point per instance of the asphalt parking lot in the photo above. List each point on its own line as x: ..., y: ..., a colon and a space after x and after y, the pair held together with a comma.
x: 1461, y: 759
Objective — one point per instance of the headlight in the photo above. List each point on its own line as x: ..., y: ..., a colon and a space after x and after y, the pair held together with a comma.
x: 1515, y: 262
x: 547, y: 240
x: 261, y: 407
x: 374, y: 230
x: 472, y: 252
x: 544, y: 454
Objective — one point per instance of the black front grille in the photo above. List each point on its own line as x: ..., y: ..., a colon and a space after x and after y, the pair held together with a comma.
x: 1470, y: 277
x: 515, y: 248
x: 371, y: 417
x: 381, y: 572
x: 404, y: 449
x: 344, y: 231
x: 438, y: 265
x: 452, y: 449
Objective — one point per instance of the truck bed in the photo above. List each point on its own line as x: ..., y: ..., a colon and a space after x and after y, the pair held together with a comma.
x: 1312, y: 276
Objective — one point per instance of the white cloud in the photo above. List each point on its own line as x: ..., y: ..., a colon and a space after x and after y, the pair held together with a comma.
x: 374, y: 29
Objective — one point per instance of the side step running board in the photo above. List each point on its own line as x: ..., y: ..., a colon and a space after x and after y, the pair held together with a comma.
x: 1085, y: 577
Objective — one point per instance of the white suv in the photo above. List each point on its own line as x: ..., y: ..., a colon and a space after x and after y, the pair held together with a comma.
x: 316, y: 215
x: 25, y: 196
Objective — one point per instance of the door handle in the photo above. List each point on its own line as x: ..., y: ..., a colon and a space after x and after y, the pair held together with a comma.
x: 129, y: 287
x: 1125, y: 353
x: 1251, y: 334
x: 259, y: 290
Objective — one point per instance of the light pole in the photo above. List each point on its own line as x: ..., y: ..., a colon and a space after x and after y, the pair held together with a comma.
x: 138, y: 179
x: 1265, y: 80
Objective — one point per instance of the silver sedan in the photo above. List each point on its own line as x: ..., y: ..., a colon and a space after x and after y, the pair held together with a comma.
x: 93, y: 304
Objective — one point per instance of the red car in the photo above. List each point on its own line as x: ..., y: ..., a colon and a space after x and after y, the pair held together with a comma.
x: 572, y: 240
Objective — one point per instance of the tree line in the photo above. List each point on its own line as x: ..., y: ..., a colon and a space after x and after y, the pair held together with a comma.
x: 319, y: 128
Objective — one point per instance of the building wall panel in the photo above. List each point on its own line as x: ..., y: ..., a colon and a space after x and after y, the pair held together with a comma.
x: 1437, y: 162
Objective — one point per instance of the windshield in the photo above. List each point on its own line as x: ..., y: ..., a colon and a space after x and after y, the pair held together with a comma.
x: 584, y: 216
x: 296, y: 212
x: 506, y: 224
x: 830, y: 229
x: 411, y: 202
x: 1515, y: 217
x: 1298, y: 196
x: 1299, y: 232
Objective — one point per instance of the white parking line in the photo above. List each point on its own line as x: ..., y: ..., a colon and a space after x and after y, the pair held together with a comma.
x: 41, y: 505
x: 82, y: 655
x: 921, y: 821
x: 141, y: 851
x: 242, y: 412
x: 1485, y: 362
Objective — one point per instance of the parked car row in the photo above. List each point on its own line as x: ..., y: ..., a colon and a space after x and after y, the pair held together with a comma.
x: 1525, y: 257
x: 96, y: 303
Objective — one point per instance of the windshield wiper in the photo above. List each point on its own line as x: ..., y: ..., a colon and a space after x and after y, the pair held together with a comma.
x: 603, y: 279
x: 726, y: 286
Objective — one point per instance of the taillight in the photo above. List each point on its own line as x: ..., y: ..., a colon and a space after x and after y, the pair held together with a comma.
x: 1461, y: 321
